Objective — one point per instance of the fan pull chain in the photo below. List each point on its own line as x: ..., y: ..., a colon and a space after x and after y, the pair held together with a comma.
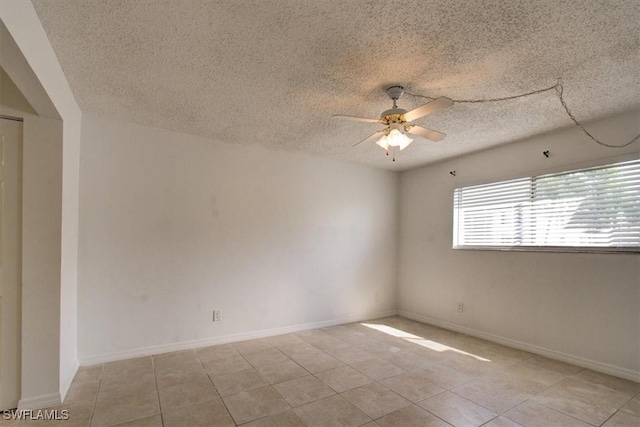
x: 559, y: 89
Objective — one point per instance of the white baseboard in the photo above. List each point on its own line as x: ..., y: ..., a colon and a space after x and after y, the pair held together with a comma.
x: 543, y: 351
x: 185, y: 345
x: 65, y: 383
x: 39, y: 402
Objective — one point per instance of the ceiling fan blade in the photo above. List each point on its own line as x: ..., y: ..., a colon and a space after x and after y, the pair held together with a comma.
x: 357, y: 119
x: 426, y: 133
x: 371, y: 137
x: 428, y: 108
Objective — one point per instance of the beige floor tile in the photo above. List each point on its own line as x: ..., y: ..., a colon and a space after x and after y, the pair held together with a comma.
x: 553, y: 365
x: 287, y: 418
x: 592, y: 403
x: 412, y: 387
x: 633, y: 406
x: 180, y: 376
x: 206, y: 414
x: 545, y: 377
x: 501, y: 422
x: 411, y: 416
x: 226, y: 365
x: 517, y: 383
x: 235, y: 382
x: 185, y: 394
x: 82, y: 393
x: 328, y: 343
x: 350, y: 355
x: 445, y: 377
x: 469, y: 365
x: 119, y: 408
x: 253, y: 404
x: 298, y: 349
x: 280, y: 340
x: 125, y: 368
x: 332, y: 411
x: 303, y: 390
x: 503, y: 350
x: 531, y: 414
x: 597, y: 392
x: 348, y: 335
x: 408, y: 361
x: 279, y: 372
x: 497, y: 397
x: 456, y: 410
x: 622, y: 419
x: 343, y: 378
x: 576, y: 406
x: 316, y: 361
x: 88, y: 374
x: 381, y: 349
x: 178, y: 365
x: 167, y: 361
x: 311, y: 334
x: 375, y: 400
x: 378, y: 369
x: 265, y: 357
x: 135, y: 383
x: 214, y: 352
x: 251, y: 346
x: 626, y: 387
x: 155, y: 421
x: 424, y: 352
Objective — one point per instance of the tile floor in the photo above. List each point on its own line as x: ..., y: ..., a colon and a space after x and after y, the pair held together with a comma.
x: 388, y: 372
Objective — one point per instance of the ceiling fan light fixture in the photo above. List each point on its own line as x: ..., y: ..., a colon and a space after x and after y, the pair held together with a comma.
x: 384, y: 143
x: 395, y: 138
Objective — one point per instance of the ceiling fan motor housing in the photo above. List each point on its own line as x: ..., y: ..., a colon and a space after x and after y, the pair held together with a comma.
x: 395, y: 92
x: 394, y: 115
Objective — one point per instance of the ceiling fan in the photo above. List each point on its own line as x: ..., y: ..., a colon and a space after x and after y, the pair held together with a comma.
x: 398, y: 122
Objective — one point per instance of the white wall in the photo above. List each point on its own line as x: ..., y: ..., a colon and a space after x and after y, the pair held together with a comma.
x: 581, y: 307
x: 174, y: 226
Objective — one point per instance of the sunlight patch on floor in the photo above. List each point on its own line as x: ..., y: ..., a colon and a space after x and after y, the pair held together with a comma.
x: 421, y: 341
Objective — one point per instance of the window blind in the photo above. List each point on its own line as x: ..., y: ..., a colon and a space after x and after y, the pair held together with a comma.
x: 587, y: 208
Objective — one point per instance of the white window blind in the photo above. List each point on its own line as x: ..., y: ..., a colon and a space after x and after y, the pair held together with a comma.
x: 591, y: 209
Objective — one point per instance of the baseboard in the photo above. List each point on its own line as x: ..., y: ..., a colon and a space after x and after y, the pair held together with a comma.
x: 65, y: 383
x: 39, y: 402
x: 543, y: 351
x: 205, y: 342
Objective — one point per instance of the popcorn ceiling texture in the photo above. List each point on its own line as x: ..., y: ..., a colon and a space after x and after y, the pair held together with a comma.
x: 273, y: 72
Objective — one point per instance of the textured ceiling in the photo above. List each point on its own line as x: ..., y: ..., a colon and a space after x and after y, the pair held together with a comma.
x: 273, y: 72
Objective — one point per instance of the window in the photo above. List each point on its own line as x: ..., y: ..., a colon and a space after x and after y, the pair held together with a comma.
x: 588, y: 209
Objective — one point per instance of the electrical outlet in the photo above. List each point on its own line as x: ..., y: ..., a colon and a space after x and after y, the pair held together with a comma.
x: 460, y: 307
x: 217, y: 315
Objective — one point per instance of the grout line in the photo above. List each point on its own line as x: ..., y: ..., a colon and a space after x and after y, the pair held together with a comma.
x: 610, y: 416
x: 155, y: 377
x: 214, y: 386
x: 95, y: 401
x: 567, y: 415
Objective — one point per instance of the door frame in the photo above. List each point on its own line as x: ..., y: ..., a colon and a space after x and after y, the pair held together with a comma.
x: 11, y: 298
